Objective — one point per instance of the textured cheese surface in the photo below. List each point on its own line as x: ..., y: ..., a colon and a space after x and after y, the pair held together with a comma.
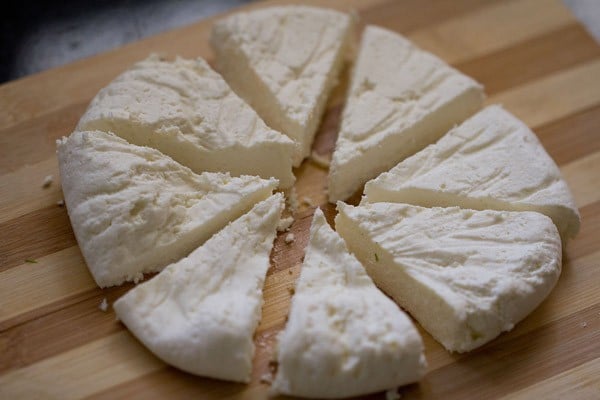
x: 186, y: 110
x: 343, y: 337
x: 135, y: 210
x: 465, y: 275
x: 491, y: 161
x: 200, y: 313
x: 401, y: 99
x: 284, y: 61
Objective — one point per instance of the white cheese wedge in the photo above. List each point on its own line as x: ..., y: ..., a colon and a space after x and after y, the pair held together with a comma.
x: 465, y: 275
x: 187, y: 111
x: 135, y: 210
x: 284, y: 61
x: 491, y: 161
x: 343, y: 337
x: 200, y: 313
x: 400, y: 100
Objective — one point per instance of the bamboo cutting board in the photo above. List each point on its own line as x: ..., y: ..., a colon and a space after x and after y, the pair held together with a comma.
x: 55, y: 342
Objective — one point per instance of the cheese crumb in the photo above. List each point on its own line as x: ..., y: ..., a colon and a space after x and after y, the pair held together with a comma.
x: 266, y: 378
x: 104, y: 305
x: 273, y: 363
x: 392, y: 394
x: 47, y: 181
x: 292, y: 200
x: 320, y: 160
x: 137, y: 278
x: 60, y: 203
x: 289, y: 238
x: 284, y: 224
x: 261, y: 342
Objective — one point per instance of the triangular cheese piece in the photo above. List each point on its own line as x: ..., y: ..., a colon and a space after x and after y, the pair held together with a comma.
x: 465, y: 275
x: 284, y: 61
x: 200, y: 313
x: 491, y: 161
x: 186, y: 110
x: 135, y: 210
x: 343, y: 337
x: 401, y: 99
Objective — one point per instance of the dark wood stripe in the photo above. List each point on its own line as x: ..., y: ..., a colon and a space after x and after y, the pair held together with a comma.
x: 55, y: 332
x: 504, y: 367
x: 34, y: 235
x: 170, y: 383
x: 532, y: 59
x: 573, y: 137
x: 326, y: 136
x: 285, y: 256
x: 46, y: 309
x: 410, y: 15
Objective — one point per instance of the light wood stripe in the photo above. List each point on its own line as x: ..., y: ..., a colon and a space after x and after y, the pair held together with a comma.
x: 554, y: 97
x: 584, y: 179
x: 586, y: 241
x: 168, y: 383
x: 54, y: 278
x: 581, y: 382
x: 277, y: 293
x: 473, y: 35
x: 532, y: 59
x: 313, y: 191
x: 17, y: 198
x: 410, y: 15
x: 82, y: 371
x: 34, y: 140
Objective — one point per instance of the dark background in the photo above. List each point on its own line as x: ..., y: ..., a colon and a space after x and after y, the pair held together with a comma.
x: 35, y: 36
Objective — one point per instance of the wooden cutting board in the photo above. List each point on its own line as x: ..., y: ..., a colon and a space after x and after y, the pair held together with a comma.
x: 55, y: 342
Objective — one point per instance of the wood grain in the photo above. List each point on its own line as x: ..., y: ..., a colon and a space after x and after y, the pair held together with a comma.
x: 579, y: 381
x: 532, y: 56
x: 572, y: 137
